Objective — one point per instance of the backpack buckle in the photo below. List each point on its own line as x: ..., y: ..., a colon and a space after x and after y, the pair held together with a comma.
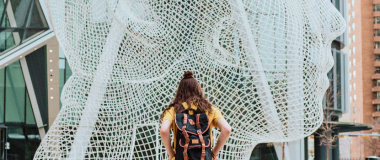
x: 199, y: 131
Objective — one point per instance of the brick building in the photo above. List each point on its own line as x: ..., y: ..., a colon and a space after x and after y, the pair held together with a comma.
x: 364, y: 69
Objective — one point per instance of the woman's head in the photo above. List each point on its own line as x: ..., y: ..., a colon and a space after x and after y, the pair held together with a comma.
x: 189, y: 91
x: 188, y: 87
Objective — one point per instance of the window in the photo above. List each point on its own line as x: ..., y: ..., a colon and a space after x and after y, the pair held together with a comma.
x: 350, y: 76
x: 377, y: 45
x: 349, y: 18
x: 353, y: 26
x: 376, y: 32
x: 377, y: 57
x: 378, y: 107
x: 352, y: 3
x: 349, y: 64
x: 376, y: 7
x: 354, y: 86
x: 377, y: 20
x: 378, y: 95
x: 349, y: 53
x: 354, y: 110
x: 353, y: 50
x: 354, y: 97
x: 354, y: 74
x: 349, y: 41
x: 354, y: 120
x: 350, y: 99
x: 377, y: 70
x: 353, y: 38
x: 350, y: 87
x: 353, y: 14
x: 377, y: 82
x: 354, y: 62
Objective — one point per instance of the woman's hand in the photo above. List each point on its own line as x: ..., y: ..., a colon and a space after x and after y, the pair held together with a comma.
x: 214, y: 154
x: 171, y: 157
x: 225, y: 131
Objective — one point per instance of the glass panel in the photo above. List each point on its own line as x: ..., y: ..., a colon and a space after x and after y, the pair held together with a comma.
x: 377, y: 70
x: 6, y: 40
x: 27, y: 19
x: 20, y: 10
x: 376, y: 32
x: 33, y: 140
x: 32, y: 32
x: 377, y: 57
x: 337, y: 4
x: 61, y: 54
x: 15, y: 94
x: 68, y: 71
x: 2, y: 87
x: 2, y: 142
x: 378, y: 82
x: 376, y: 7
x: 29, y: 112
x: 16, y: 139
x: 378, y: 107
x: 62, y: 80
x: 5, y: 22
x: 378, y: 95
x: 2, y: 7
x: 37, y: 19
x: 338, y: 81
x: 377, y: 20
x: 263, y: 152
x: 377, y: 45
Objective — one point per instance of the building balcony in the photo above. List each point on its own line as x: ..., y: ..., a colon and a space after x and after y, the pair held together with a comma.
x: 376, y: 26
x: 376, y: 89
x: 376, y: 13
x: 376, y: 76
x: 376, y: 101
x: 376, y: 114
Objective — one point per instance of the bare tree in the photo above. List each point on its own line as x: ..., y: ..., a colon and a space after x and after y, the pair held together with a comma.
x: 282, y: 144
x: 326, y: 129
x: 373, y: 143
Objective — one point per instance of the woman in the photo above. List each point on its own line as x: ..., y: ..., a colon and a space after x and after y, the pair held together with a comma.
x: 189, y: 93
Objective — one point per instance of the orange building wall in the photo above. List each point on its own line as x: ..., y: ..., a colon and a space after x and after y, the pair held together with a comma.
x: 365, y: 68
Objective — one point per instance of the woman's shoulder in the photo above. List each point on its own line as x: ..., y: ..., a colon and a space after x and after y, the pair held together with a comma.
x: 214, y: 109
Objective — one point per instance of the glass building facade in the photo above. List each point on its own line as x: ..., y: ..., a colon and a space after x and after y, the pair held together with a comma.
x: 338, y: 76
x: 20, y: 20
x: 17, y: 119
x: 64, y: 72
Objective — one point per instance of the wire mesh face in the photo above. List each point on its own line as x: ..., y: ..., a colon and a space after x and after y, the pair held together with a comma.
x: 263, y: 63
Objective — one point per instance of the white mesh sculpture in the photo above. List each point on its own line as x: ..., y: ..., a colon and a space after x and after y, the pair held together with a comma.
x: 263, y: 63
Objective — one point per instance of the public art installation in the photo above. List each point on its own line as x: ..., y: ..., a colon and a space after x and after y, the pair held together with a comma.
x: 262, y: 62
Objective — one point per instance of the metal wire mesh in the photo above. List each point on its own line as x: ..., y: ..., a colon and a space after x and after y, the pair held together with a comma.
x: 263, y: 63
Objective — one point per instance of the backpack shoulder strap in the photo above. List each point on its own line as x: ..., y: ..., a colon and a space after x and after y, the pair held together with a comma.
x: 187, y: 139
x: 199, y: 132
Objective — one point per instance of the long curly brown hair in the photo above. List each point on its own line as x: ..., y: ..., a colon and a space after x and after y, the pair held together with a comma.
x: 188, y: 91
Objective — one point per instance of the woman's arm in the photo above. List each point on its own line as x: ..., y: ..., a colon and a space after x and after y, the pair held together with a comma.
x: 165, y: 137
x: 225, y: 131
